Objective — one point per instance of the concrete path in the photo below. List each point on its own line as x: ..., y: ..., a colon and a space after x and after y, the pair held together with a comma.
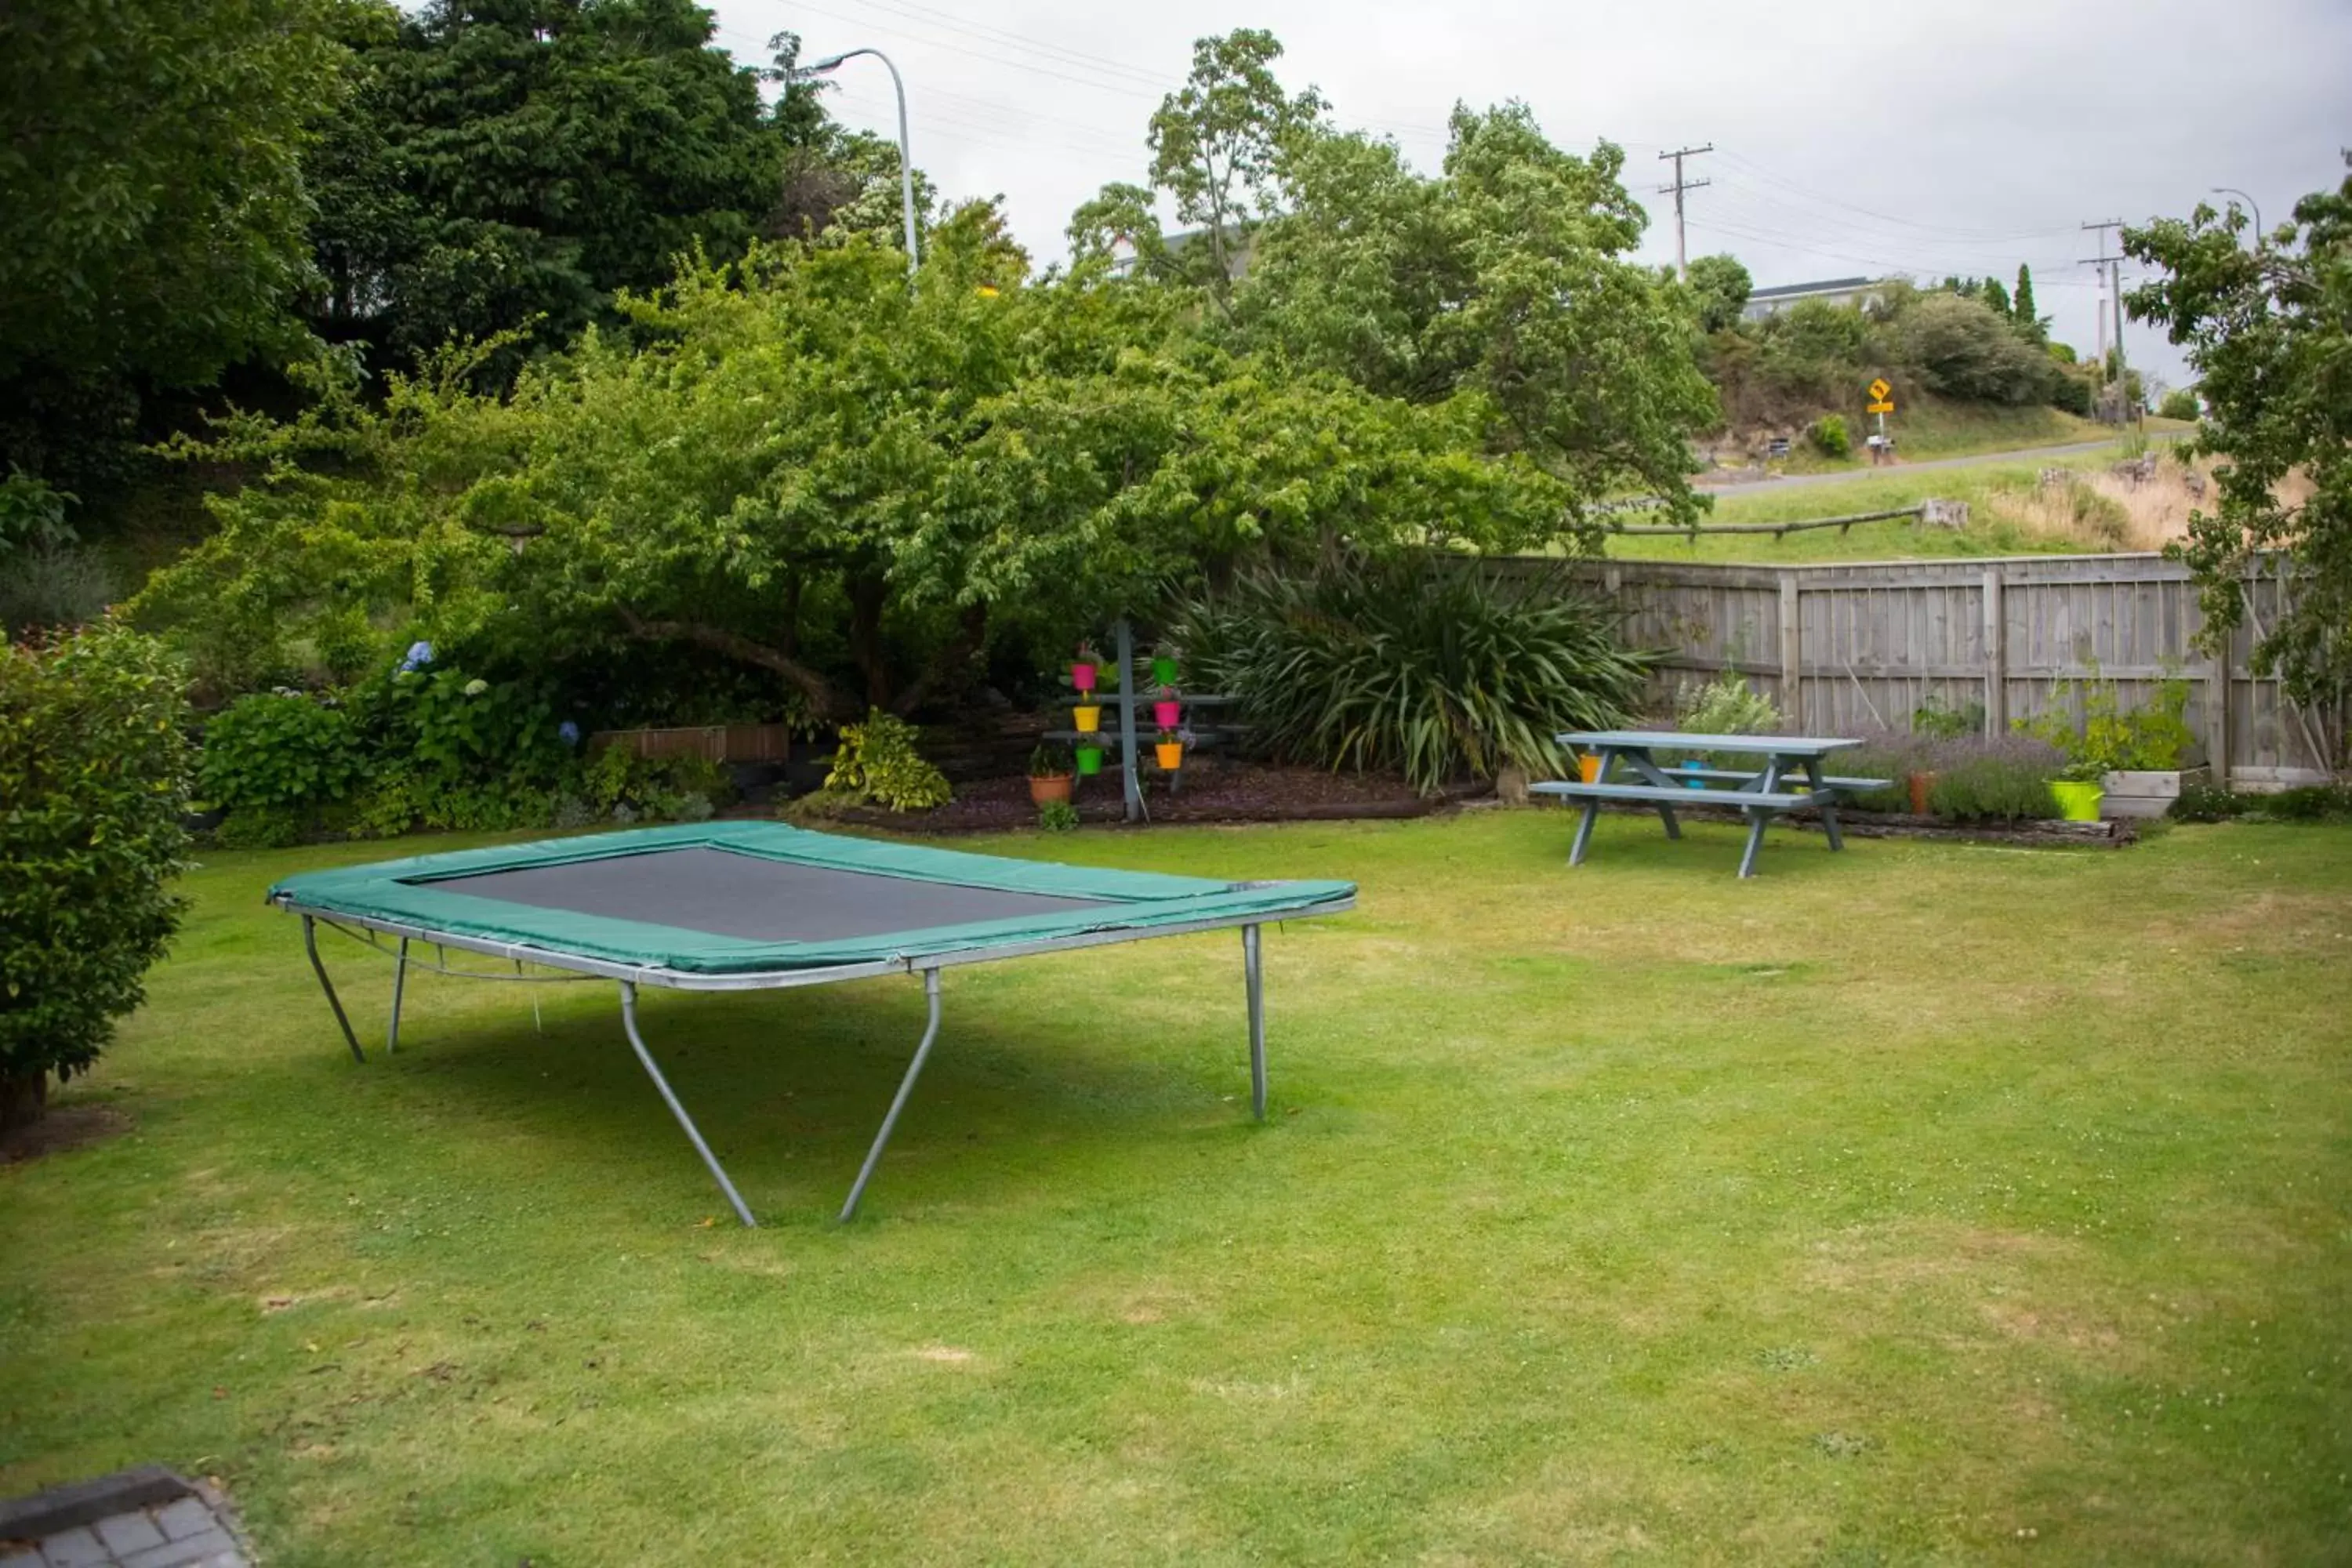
x: 2022, y: 455
x: 146, y: 1518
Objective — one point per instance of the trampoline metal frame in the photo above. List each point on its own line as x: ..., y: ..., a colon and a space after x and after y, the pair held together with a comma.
x: 630, y: 976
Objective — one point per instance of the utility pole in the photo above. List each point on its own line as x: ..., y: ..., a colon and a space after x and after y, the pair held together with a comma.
x: 2113, y: 264
x: 1681, y: 259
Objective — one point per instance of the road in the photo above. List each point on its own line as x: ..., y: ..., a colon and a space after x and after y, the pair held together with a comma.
x: 2024, y: 455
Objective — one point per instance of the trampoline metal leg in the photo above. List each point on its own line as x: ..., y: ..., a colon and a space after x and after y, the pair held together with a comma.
x: 1256, y: 980
x: 311, y: 945
x: 638, y: 1043
x: 399, y: 984
x: 898, y: 1103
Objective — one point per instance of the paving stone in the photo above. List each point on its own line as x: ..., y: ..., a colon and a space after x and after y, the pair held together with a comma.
x: 75, y: 1548
x: 204, y: 1548
x: 128, y: 1532
x: 185, y: 1517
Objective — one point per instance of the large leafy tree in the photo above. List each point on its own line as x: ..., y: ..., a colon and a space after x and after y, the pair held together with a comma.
x: 151, y: 204
x: 507, y: 164
x: 1506, y: 277
x: 1719, y: 286
x: 802, y: 465
x: 2268, y: 330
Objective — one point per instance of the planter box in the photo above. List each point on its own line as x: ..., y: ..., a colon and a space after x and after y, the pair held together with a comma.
x: 2148, y: 794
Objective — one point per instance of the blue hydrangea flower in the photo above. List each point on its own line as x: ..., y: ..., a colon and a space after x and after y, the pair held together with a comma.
x: 568, y: 732
x: 420, y: 654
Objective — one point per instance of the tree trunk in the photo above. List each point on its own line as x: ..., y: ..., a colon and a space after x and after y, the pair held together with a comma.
x: 866, y: 592
x: 972, y: 636
x: 24, y: 1100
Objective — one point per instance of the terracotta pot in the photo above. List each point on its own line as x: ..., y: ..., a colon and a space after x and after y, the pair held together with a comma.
x: 1167, y: 713
x: 1082, y: 676
x: 1089, y: 761
x: 1172, y: 757
x: 1046, y: 791
x: 1921, y: 785
x: 1088, y: 716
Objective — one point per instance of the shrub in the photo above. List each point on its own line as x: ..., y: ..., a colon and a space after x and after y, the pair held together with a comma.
x: 2155, y: 736
x: 93, y: 772
x: 1724, y: 706
x: 2181, y: 404
x: 1829, y: 437
x: 1057, y: 816
x: 877, y: 762
x: 2209, y: 803
x: 278, y: 751
x: 2001, y: 781
x: 52, y: 585
x: 624, y: 787
x: 1938, y: 720
x: 1431, y: 667
x: 1964, y: 349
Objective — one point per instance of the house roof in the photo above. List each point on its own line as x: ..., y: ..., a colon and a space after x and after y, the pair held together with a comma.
x: 1826, y: 286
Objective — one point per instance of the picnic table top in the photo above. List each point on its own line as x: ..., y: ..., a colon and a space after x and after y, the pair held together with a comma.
x: 1675, y: 740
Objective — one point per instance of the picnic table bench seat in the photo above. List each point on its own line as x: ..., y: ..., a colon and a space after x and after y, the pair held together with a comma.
x: 1672, y: 794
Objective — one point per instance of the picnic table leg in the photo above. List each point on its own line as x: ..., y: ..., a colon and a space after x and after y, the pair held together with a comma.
x: 1757, y: 817
x: 1828, y: 798
x: 1583, y: 833
x: 1645, y: 768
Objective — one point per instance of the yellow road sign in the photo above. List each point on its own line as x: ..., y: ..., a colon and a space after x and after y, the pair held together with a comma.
x: 1878, y: 391
x: 1882, y: 406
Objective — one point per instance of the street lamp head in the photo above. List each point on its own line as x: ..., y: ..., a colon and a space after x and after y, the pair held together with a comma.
x: 831, y: 62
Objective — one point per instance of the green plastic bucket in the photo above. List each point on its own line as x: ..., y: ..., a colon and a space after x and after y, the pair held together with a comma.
x: 2077, y: 802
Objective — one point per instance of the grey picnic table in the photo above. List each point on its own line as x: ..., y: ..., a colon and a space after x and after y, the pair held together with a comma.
x: 1629, y: 771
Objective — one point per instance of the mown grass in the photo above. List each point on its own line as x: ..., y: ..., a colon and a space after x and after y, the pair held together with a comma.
x: 1985, y: 487
x: 1920, y: 1203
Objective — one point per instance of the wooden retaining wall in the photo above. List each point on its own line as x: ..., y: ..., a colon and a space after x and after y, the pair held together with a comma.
x: 1844, y: 646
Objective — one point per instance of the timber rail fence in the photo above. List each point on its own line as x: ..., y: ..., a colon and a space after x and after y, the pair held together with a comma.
x: 1844, y: 646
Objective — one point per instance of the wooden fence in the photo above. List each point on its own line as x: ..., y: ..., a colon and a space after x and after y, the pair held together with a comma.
x: 1845, y: 647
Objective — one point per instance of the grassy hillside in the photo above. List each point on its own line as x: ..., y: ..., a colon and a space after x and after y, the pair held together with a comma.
x: 2011, y: 512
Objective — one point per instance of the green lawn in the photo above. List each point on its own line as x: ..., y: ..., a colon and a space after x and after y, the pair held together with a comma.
x: 1920, y: 1203
x: 1981, y: 485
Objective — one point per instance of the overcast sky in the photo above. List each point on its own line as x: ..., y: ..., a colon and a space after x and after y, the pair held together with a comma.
x: 1958, y: 138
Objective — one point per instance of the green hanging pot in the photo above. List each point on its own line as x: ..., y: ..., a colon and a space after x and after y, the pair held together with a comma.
x: 1163, y: 670
x: 1089, y: 760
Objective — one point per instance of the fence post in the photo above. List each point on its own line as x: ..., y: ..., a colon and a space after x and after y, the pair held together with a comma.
x: 1996, y: 653
x: 1792, y: 651
x: 2217, y: 714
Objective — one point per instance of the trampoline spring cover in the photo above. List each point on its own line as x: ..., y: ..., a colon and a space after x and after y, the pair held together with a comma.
x: 746, y: 897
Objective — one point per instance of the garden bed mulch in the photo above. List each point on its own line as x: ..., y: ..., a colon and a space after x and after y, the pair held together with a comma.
x: 1230, y: 793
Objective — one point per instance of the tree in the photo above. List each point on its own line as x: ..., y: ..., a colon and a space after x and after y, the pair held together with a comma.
x: 2023, y: 308
x: 94, y: 771
x: 1964, y: 350
x: 152, y: 205
x: 1722, y: 286
x: 801, y: 465
x: 1995, y: 297
x: 2269, y: 333
x: 507, y: 164
x: 1216, y: 142
x: 1504, y: 280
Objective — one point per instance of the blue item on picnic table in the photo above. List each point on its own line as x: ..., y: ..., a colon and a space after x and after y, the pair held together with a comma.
x: 1790, y: 780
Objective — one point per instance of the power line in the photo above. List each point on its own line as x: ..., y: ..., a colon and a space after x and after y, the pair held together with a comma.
x: 1682, y: 260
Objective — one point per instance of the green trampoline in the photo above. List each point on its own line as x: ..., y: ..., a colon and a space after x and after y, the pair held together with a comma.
x: 757, y: 905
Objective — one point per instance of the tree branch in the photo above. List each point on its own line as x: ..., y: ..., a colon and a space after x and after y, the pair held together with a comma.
x: 971, y: 635
x: 822, y: 695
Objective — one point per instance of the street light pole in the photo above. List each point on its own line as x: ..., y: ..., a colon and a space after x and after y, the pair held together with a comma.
x: 2253, y: 205
x: 906, y: 155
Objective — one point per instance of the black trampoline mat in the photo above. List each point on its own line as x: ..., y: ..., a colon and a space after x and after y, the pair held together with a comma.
x: 727, y: 894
